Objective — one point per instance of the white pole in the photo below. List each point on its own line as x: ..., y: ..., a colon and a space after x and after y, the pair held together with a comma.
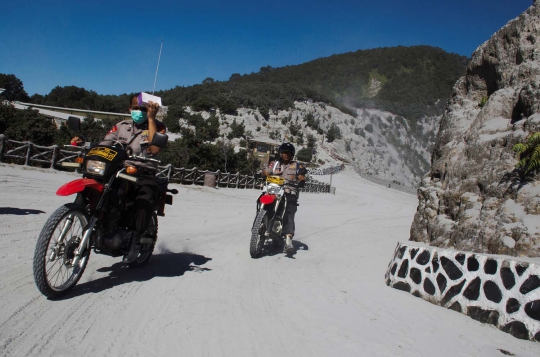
x: 159, y: 58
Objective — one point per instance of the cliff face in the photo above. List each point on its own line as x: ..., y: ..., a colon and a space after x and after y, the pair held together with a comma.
x: 473, y: 199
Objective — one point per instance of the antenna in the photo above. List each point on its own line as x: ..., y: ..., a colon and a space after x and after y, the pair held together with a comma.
x: 159, y: 58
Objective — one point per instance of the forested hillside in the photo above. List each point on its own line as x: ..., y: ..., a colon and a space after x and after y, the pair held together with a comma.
x: 409, y: 81
x: 408, y: 85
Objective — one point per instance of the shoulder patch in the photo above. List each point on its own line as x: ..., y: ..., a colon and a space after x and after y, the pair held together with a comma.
x: 113, y: 130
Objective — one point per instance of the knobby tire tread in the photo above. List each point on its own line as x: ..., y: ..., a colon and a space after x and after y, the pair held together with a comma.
x: 255, y: 234
x: 40, y: 253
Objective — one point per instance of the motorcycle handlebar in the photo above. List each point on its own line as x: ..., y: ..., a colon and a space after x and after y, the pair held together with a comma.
x: 142, y: 158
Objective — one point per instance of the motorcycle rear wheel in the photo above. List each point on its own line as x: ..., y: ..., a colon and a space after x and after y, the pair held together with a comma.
x: 258, y: 234
x: 54, y: 273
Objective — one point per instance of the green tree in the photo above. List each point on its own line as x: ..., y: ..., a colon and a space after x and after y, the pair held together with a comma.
x: 311, y: 140
x: 13, y: 88
x: 212, y: 125
x: 333, y: 133
x: 304, y: 155
x: 171, y: 121
x: 28, y: 125
x: 208, y: 80
x: 237, y: 130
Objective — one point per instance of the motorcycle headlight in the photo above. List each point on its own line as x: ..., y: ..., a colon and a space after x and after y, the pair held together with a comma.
x: 94, y: 167
x: 274, y: 190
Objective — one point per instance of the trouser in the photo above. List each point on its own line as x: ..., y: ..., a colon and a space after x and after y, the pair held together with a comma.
x: 290, y: 211
x: 144, y: 196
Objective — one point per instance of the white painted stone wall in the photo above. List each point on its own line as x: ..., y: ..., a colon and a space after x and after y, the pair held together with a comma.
x: 494, y: 289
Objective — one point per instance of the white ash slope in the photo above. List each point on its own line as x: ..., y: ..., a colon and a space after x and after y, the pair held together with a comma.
x: 377, y: 143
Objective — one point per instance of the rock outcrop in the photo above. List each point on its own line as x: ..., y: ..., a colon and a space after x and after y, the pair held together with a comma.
x: 473, y: 199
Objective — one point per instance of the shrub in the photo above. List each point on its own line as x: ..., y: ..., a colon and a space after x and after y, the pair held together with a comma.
x: 528, y: 154
x: 304, y: 155
x: 483, y: 102
x: 333, y: 133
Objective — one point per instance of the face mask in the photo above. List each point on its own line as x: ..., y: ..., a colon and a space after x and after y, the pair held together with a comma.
x: 138, y: 116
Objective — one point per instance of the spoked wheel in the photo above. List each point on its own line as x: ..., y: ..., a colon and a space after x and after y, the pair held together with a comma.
x: 258, y: 232
x: 147, y: 248
x: 54, y: 272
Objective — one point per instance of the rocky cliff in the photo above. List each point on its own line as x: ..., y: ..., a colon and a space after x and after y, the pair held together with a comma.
x: 472, y: 198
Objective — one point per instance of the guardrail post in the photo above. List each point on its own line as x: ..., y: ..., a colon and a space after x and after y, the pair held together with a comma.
x: 28, y: 152
x: 2, y: 144
x: 169, y: 172
x: 54, y: 155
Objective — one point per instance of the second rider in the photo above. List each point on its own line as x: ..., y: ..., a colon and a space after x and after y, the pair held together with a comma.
x: 294, y: 172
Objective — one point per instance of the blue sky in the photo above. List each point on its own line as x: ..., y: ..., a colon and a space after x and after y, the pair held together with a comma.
x: 112, y: 47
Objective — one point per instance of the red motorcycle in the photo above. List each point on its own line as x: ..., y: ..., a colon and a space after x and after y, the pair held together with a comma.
x: 268, y: 222
x: 98, y: 219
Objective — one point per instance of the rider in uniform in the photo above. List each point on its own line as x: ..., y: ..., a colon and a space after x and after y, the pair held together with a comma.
x: 294, y: 172
x: 140, y: 129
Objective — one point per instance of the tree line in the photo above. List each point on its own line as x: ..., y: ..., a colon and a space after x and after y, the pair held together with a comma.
x: 415, y: 81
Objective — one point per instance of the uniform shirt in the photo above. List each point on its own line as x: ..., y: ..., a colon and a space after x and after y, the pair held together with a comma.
x: 126, y: 130
x: 287, y: 171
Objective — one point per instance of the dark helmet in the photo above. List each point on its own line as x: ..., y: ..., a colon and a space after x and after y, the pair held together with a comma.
x: 287, y: 147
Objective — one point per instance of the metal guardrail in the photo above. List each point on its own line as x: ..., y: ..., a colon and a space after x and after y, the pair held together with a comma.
x: 226, y: 179
x: 27, y: 153
x: 327, y: 170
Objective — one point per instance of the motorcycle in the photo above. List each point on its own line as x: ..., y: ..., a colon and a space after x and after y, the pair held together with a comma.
x: 98, y: 219
x: 271, y: 206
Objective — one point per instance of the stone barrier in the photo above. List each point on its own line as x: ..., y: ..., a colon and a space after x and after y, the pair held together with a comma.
x: 493, y: 289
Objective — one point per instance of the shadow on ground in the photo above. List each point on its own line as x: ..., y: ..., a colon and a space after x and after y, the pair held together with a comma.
x: 168, y: 265
x: 270, y: 250
x: 19, y: 211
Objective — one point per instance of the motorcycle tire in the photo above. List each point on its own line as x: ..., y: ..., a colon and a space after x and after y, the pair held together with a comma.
x: 53, y: 273
x: 258, y: 236
x: 147, y: 249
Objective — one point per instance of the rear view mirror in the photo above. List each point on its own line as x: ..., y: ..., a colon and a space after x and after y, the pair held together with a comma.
x: 74, y: 124
x: 159, y: 140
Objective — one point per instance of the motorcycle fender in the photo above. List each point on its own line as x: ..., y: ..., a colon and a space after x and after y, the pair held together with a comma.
x: 79, y: 185
x: 267, y: 199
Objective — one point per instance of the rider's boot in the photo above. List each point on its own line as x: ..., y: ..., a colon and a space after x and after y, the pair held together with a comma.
x: 135, y: 248
x: 288, y: 244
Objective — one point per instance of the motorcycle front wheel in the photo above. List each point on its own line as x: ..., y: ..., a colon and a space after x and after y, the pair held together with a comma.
x: 258, y: 233
x: 54, y: 272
